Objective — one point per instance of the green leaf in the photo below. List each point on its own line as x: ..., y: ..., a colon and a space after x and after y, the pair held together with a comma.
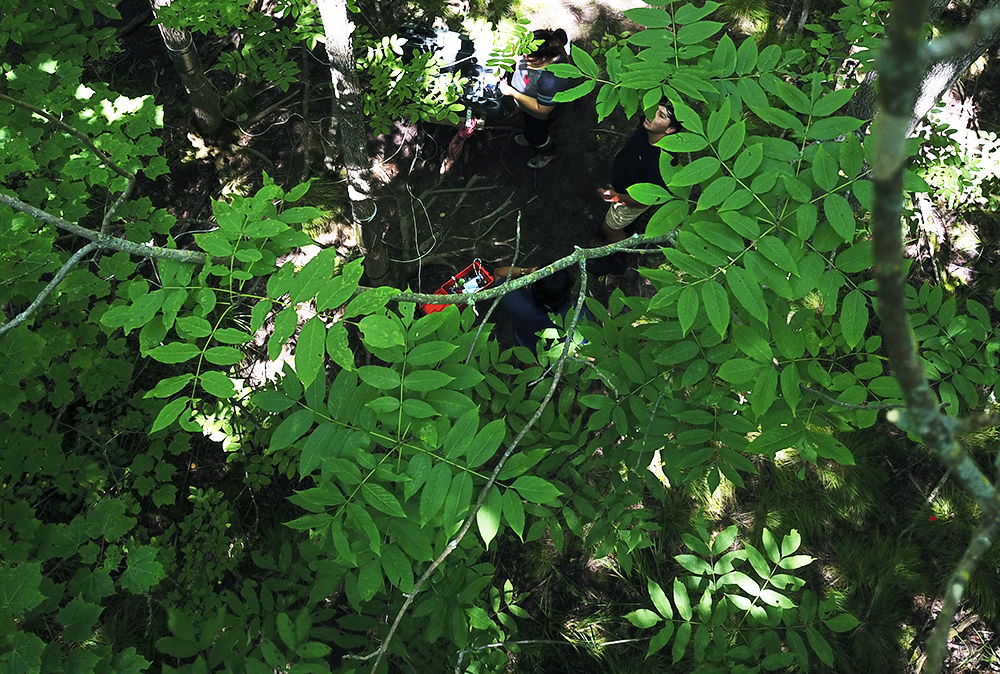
x: 659, y: 598
x: 291, y: 429
x: 718, y: 191
x: 832, y: 102
x: 695, y: 565
x: 488, y: 517
x: 856, y: 258
x: 310, y: 351
x: 425, y: 380
x: 770, y: 546
x: 381, y: 332
x: 338, y: 347
x: 108, y: 519
x: 430, y: 353
x: 825, y: 170
x: 174, y: 352
x: 379, y: 498
x: 844, y: 622
x: 660, y: 639
x: 693, y: 33
x: 796, y: 561
x: 224, y: 355
x: 643, y: 618
x: 791, y: 542
x: 732, y: 140
x: 687, y: 308
x: 820, y: 646
x: 143, y: 572
x: 832, y: 127
x: 313, y: 276
x: 379, y: 377
x: 649, y: 17
x: 19, y: 588
x: 168, y: 414
x: 535, y: 489
x: 739, y: 370
x: 585, y: 62
x: 168, y: 387
x: 681, y: 600
x: 576, y: 92
x: 683, y: 632
x: 854, y: 317
x: 513, y: 512
x: 838, y: 212
x: 748, y: 161
x: 217, y: 384
x: 723, y: 540
x: 696, y: 172
x: 716, y: 301
x: 772, y: 598
x: 747, y: 291
x: 434, y: 493
x: 486, y: 443
x: 746, y: 57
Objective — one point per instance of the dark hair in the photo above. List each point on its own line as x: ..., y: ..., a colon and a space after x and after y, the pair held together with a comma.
x: 665, y: 102
x: 553, y: 291
x: 553, y: 44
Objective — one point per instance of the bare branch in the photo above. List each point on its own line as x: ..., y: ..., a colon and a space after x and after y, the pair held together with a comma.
x: 56, y: 280
x: 833, y: 401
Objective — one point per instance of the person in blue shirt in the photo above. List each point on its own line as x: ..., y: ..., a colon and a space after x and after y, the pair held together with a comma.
x: 533, y: 90
x: 529, y: 308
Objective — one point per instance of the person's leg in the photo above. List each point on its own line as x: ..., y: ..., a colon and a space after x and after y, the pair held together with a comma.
x: 619, y: 217
x: 536, y: 132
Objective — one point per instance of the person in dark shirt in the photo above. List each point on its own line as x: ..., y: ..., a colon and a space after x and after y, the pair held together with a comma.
x: 637, y: 162
x: 529, y: 307
x: 533, y: 90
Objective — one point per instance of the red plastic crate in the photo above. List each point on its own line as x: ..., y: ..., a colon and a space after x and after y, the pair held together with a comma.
x: 476, y: 269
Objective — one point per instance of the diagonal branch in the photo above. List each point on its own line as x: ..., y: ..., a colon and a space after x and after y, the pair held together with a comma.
x: 104, y: 240
x: 56, y: 280
x: 557, y: 376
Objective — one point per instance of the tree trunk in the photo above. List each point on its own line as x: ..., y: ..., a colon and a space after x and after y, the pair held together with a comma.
x: 202, y: 95
x: 347, y: 114
x: 938, y: 79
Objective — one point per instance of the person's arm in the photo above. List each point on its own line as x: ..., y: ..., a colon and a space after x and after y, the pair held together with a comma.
x: 514, y: 272
x: 609, y: 195
x: 525, y: 101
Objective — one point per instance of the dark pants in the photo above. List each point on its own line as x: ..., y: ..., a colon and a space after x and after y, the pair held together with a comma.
x: 536, y: 131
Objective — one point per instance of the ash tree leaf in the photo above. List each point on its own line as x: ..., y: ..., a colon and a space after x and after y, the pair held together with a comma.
x: 770, y: 546
x: 643, y: 618
x: 659, y: 598
x: 681, y: 600
x: 435, y: 491
x: 310, y: 350
x: 693, y: 33
x: 696, y: 172
x: 313, y: 276
x: 791, y: 542
x: 723, y: 540
x: 695, y: 565
x: 272, y: 401
x: 748, y: 161
x: 318, y: 442
x: 682, y: 639
x: 284, y: 327
x: 535, y: 489
x: 426, y: 380
x: 585, y: 62
x: 687, y: 308
x: 579, y: 91
x: 78, y: 618
x: 430, y: 353
x: 744, y: 582
x: 381, y: 332
x: 224, y: 355
x: 338, y: 348
x: 143, y: 571
x: 379, y: 377
x: 291, y: 429
x: 832, y: 127
x: 513, y: 512
x: 486, y: 443
x: 660, y: 639
x: 831, y: 102
x: 732, y: 140
x: 683, y: 142
x: 716, y: 301
x: 772, y: 598
x: 168, y: 387
x: 825, y: 170
x: 796, y: 561
x: 488, y: 516
x: 775, y: 250
x: 168, y: 414
x: 649, y: 17
x: 854, y: 317
x: 747, y: 291
x: 844, y: 622
x: 174, y: 352
x: 819, y: 645
x: 648, y: 193
x: 231, y: 336
x: 19, y: 588
x: 379, y: 498
x: 217, y: 384
x: 739, y: 370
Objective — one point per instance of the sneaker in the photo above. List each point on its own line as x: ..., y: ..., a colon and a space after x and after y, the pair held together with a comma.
x: 521, y: 140
x: 540, y: 161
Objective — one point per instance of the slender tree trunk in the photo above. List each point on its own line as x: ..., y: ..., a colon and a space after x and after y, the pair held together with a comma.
x: 203, y: 97
x: 347, y: 114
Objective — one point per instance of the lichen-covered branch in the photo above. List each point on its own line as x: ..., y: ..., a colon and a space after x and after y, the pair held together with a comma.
x: 103, y: 240
x: 47, y: 290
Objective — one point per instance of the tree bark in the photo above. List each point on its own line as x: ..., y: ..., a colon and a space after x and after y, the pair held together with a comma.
x: 203, y: 97
x: 347, y: 113
x: 938, y: 79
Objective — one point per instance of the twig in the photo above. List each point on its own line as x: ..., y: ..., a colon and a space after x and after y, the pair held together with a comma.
x: 106, y: 222
x: 56, y: 280
x: 948, y: 46
x: 830, y: 399
x: 496, y: 471
x: 268, y: 110
x: 547, y: 642
x: 103, y: 240
x: 73, y: 132
x: 460, y: 190
x: 978, y: 423
x: 937, y: 644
